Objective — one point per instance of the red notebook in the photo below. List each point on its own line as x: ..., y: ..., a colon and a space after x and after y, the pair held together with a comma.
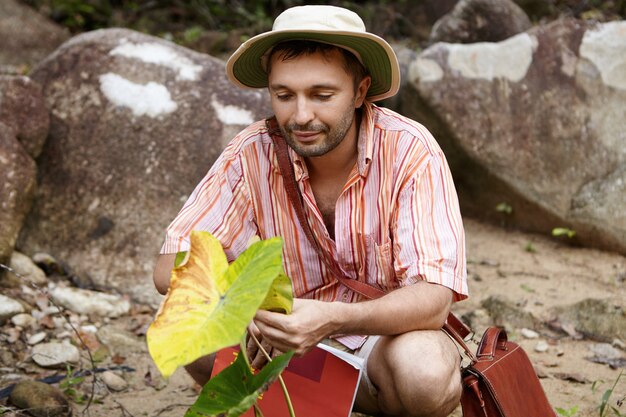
x: 324, y: 382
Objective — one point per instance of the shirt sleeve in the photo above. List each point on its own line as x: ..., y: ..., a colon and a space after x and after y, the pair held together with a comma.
x: 220, y: 204
x: 430, y: 240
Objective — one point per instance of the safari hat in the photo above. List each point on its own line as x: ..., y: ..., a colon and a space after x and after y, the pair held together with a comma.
x: 327, y: 24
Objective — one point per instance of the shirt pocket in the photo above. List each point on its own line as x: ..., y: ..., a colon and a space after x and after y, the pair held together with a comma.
x: 380, y: 263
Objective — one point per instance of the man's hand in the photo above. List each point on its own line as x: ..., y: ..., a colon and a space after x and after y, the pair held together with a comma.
x: 256, y: 356
x: 310, y: 322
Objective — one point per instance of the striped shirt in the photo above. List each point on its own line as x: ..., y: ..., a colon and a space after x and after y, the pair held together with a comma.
x: 397, y: 219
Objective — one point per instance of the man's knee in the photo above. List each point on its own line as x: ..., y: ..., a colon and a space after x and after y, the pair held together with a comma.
x: 200, y: 369
x: 423, y: 369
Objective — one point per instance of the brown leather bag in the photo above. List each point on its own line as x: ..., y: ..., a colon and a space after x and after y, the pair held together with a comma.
x: 500, y: 380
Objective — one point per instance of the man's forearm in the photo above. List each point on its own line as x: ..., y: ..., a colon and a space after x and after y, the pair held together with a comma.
x: 422, y: 306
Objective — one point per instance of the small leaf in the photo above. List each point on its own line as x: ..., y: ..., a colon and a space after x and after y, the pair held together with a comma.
x: 234, y: 390
x: 563, y: 231
x: 181, y: 259
x: 504, y: 208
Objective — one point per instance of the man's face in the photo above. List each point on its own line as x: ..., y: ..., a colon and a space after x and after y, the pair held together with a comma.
x: 314, y: 101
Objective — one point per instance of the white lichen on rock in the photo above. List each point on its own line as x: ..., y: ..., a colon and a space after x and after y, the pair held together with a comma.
x: 231, y: 115
x: 151, y: 99
x: 605, y: 47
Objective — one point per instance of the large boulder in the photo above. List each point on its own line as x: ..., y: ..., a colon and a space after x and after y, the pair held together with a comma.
x: 136, y: 122
x: 480, y: 21
x: 26, y: 37
x: 23, y: 108
x: 537, y: 121
x: 17, y: 189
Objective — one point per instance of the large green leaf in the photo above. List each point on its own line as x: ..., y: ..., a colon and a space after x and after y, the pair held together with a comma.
x: 234, y: 390
x: 210, y: 304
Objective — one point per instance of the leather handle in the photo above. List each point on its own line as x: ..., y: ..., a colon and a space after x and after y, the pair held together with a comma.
x: 494, y: 338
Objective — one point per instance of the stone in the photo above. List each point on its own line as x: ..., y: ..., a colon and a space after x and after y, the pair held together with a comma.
x: 55, y: 355
x: 24, y: 266
x: 136, y: 122
x: 497, y: 111
x: 529, y: 334
x: 90, y: 302
x: 40, y: 399
x: 26, y: 37
x: 120, y: 342
x: 24, y: 321
x: 595, y: 319
x: 23, y: 109
x: 9, y: 308
x: 473, y: 21
x: 17, y: 189
x: 113, y: 381
x: 37, y: 338
x: 505, y: 313
x: 542, y: 346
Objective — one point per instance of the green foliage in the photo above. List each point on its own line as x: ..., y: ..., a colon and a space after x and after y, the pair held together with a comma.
x: 567, y: 413
x: 530, y: 247
x: 504, y: 208
x: 234, y: 390
x: 70, y: 384
x: 605, y: 406
x: 563, y: 231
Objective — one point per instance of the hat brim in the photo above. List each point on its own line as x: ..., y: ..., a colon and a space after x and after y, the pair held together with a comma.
x: 244, y: 68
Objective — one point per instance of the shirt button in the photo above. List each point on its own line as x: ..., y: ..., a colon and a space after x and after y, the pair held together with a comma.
x: 345, y: 297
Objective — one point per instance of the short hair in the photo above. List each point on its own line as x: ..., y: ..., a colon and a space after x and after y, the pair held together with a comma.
x: 295, y: 48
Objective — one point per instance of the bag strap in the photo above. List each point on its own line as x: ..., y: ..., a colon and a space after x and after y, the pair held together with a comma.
x: 453, y: 326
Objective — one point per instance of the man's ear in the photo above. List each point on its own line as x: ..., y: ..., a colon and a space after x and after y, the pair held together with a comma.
x: 361, y: 91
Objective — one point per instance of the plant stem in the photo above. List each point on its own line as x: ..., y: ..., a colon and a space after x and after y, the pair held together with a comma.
x: 280, y: 378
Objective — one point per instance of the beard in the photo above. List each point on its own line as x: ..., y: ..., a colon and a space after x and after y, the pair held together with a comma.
x: 331, y: 136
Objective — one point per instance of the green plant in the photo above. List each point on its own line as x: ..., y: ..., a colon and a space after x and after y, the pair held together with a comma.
x: 504, y: 208
x: 567, y: 412
x: 208, y: 307
x: 563, y: 231
x: 70, y: 384
x: 530, y: 247
x: 604, y: 406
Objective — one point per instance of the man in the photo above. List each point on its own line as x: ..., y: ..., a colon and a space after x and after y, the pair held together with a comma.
x: 379, y: 198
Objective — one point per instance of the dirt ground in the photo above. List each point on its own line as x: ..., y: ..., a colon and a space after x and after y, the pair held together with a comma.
x: 499, y: 263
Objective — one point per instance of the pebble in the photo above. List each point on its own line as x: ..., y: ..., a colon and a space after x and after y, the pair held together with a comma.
x: 541, y: 346
x: 24, y: 320
x: 113, y: 381
x: 54, y: 354
x: 9, y: 308
x: 24, y: 266
x: 36, y: 338
x: 619, y: 344
x: 605, y: 350
x: 529, y: 334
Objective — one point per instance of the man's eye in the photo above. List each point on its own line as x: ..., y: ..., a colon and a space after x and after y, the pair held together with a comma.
x: 283, y: 97
x: 323, y: 97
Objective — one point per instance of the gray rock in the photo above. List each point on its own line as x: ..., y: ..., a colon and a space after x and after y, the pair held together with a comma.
x: 498, y: 111
x: 505, y: 313
x: 120, y: 341
x: 90, y: 302
x: 26, y: 37
x: 41, y: 400
x: 23, y: 109
x: 54, y: 355
x: 480, y: 21
x: 595, y: 319
x: 18, y: 173
x: 36, y: 338
x: 113, y: 381
x: 136, y: 123
x: 24, y: 266
x: 9, y: 308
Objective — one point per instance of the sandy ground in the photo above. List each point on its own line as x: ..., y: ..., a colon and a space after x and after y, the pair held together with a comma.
x: 498, y: 264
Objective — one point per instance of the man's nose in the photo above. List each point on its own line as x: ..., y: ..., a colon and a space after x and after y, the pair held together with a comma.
x: 304, y: 113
